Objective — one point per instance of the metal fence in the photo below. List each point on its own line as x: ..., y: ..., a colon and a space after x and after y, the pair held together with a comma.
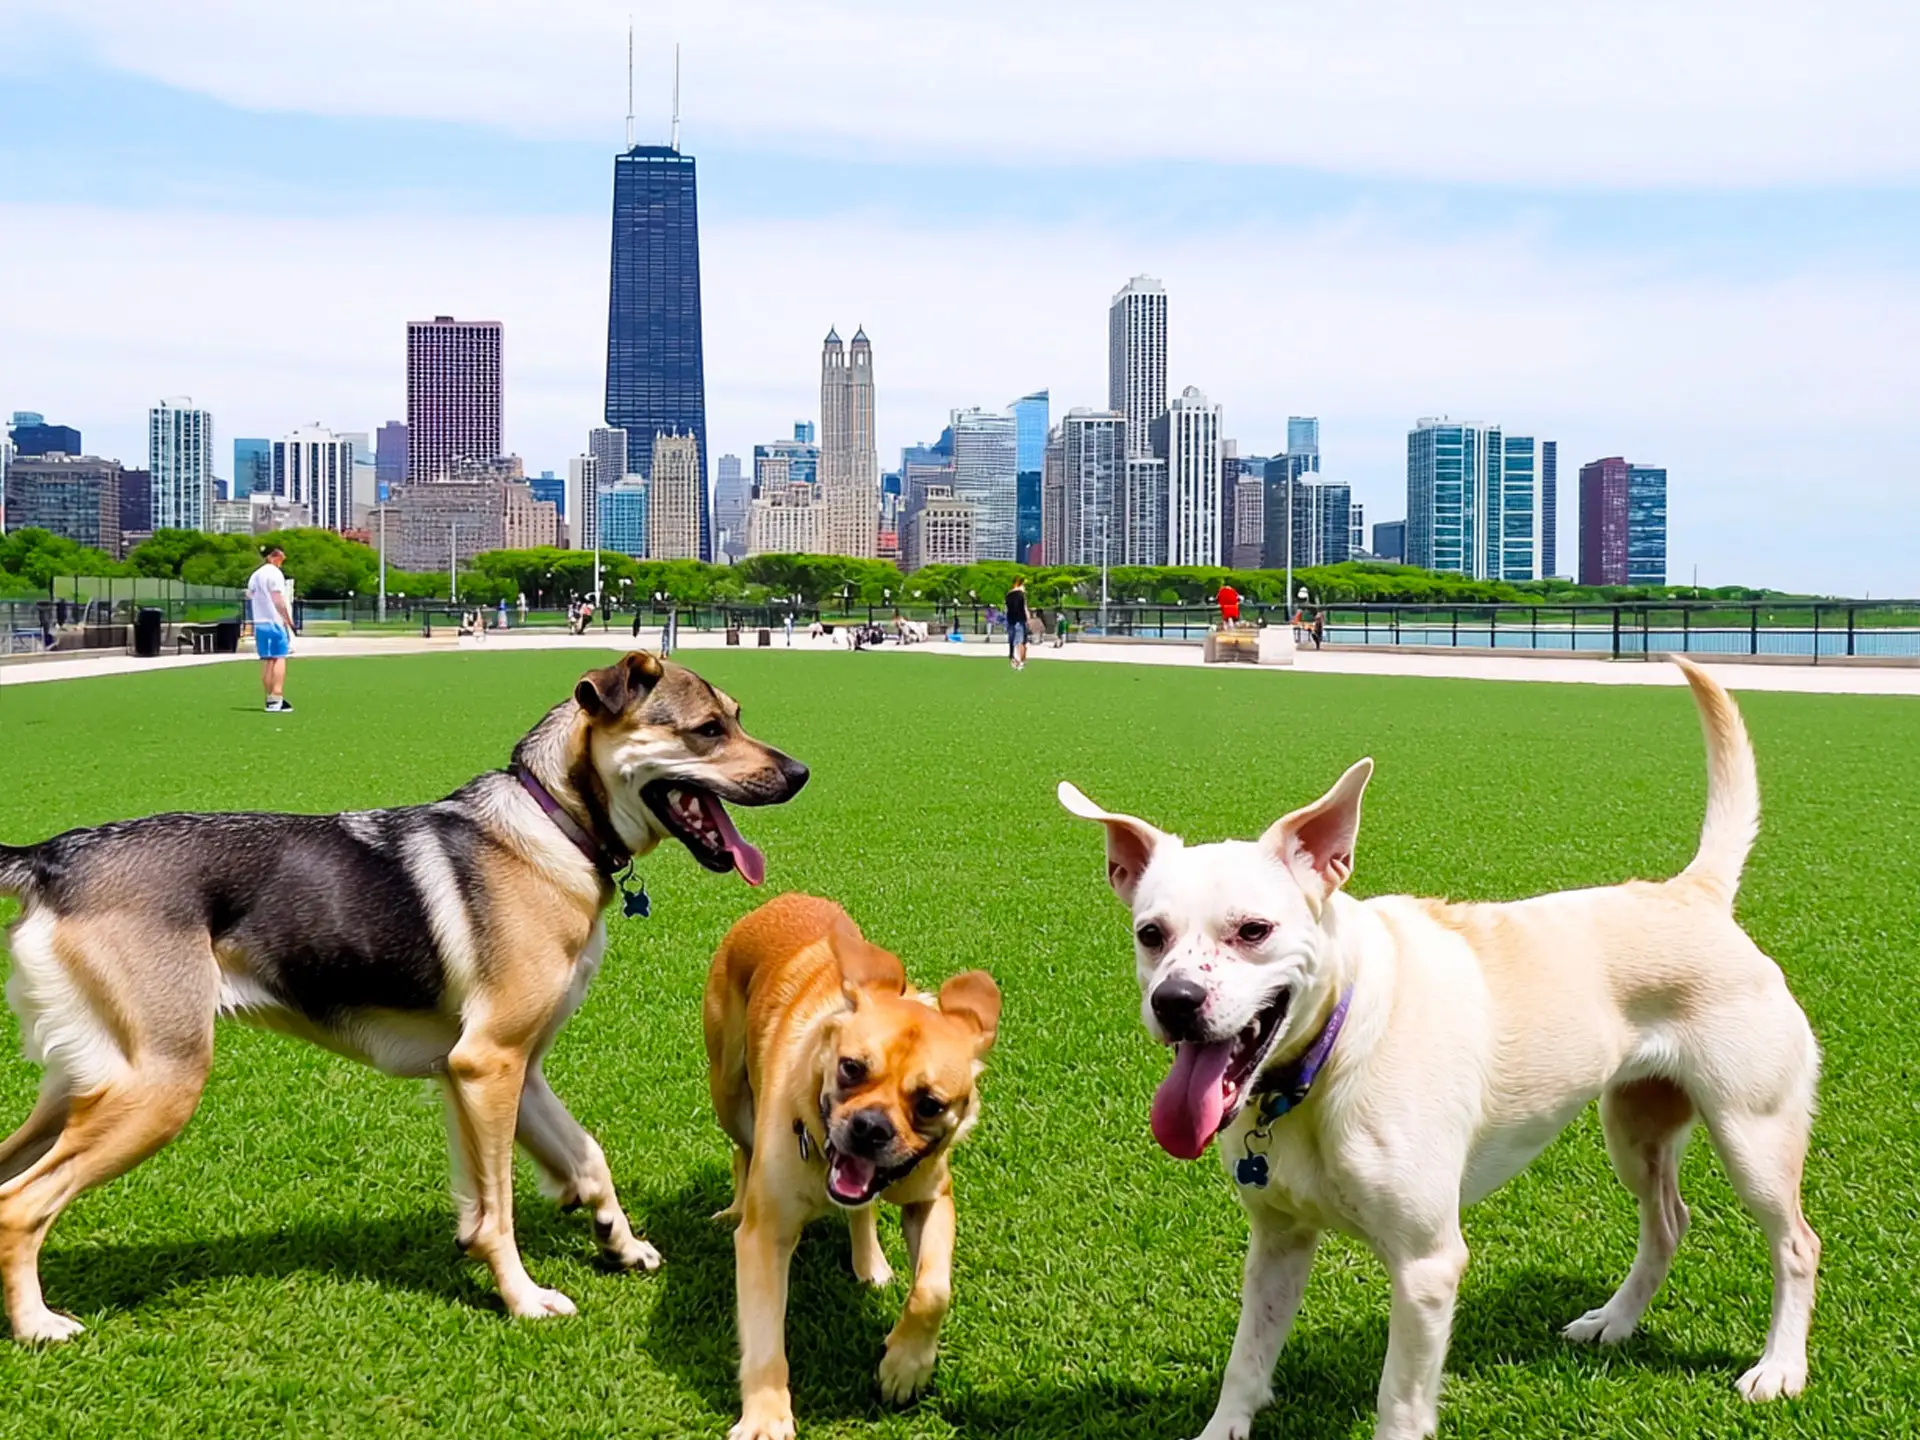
x: 1809, y: 631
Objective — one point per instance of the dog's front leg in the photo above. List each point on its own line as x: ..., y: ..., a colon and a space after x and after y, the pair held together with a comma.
x: 484, y: 1079
x: 907, y: 1367
x: 1425, y: 1281
x: 762, y: 1256
x: 1279, y: 1259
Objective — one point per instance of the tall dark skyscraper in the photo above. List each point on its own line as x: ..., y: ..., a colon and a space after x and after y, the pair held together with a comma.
x: 656, y: 377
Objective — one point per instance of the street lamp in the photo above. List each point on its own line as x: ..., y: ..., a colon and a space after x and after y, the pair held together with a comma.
x: 453, y: 561
x: 383, y: 563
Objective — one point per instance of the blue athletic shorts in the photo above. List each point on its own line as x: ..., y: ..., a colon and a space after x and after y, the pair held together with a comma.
x: 271, y: 642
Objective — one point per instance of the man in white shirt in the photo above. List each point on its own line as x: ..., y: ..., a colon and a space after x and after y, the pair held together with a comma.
x: 272, y: 617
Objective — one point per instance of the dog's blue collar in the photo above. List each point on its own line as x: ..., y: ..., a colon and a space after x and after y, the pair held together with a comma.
x: 1285, y: 1089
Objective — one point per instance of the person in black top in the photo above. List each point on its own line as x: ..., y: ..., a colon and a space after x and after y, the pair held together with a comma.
x: 1018, y: 621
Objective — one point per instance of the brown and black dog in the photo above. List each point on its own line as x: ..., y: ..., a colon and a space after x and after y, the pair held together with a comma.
x: 450, y: 940
x: 840, y: 1086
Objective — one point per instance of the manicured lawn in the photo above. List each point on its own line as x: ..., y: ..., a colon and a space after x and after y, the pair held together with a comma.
x: 288, y: 1264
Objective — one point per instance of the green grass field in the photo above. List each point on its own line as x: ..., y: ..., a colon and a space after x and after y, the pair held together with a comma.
x: 288, y: 1263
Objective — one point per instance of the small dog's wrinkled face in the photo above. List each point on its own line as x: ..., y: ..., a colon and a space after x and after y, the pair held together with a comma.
x: 1229, y: 947
x: 899, y: 1071
x: 668, y: 749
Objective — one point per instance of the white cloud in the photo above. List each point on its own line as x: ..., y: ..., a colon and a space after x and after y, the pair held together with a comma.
x: 1782, y: 407
x: 1626, y: 93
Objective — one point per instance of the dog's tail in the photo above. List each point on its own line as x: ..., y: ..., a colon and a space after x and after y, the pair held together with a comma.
x: 16, y: 869
x: 1733, y: 787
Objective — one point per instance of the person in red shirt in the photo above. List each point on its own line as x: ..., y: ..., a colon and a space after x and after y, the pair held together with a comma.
x: 1229, y: 601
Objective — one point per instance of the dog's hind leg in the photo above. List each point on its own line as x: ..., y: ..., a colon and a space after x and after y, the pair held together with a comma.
x: 107, y: 1132
x: 34, y: 1138
x: 574, y: 1171
x: 1765, y: 1156
x: 1647, y: 1123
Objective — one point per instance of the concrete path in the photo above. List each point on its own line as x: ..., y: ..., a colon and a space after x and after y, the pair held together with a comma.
x: 1467, y: 665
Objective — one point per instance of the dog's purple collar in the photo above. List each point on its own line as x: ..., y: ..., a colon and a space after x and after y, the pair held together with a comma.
x: 1287, y: 1088
x: 607, y: 859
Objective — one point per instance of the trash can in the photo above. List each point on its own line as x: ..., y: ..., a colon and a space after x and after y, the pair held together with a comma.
x: 226, y: 637
x: 146, y: 633
x: 733, y: 635
x: 766, y: 637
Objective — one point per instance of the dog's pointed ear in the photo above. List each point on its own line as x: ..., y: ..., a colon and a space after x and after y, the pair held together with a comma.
x: 1316, y: 842
x: 1130, y: 841
x: 865, y: 969
x: 974, y: 998
x: 609, y: 691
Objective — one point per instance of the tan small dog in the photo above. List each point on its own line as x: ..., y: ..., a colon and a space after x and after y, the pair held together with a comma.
x: 840, y: 1086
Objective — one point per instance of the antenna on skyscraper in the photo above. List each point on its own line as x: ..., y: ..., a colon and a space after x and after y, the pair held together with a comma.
x: 674, y: 141
x: 629, y: 82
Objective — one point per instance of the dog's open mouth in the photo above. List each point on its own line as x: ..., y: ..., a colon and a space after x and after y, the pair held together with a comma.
x: 1210, y: 1081
x: 695, y: 817
x: 853, y: 1181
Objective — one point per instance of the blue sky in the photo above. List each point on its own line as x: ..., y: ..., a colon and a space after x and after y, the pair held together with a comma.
x: 1670, y: 233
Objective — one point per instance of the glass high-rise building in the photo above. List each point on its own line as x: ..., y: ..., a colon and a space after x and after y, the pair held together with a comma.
x: 656, y: 373
x: 1646, y: 525
x: 180, y: 459
x: 453, y: 396
x: 252, y: 467
x: 1137, y: 359
x: 1303, y: 440
x: 1030, y: 421
x: 985, y: 457
x: 549, y: 487
x: 1477, y: 500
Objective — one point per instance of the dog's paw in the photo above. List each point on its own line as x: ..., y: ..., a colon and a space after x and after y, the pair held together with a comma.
x: 1227, y: 1428
x: 539, y: 1304
x: 49, y: 1327
x: 905, y: 1371
x: 1772, y: 1379
x: 729, y: 1217
x: 637, y: 1255
x: 879, y: 1275
x: 764, y: 1425
x: 1600, y: 1327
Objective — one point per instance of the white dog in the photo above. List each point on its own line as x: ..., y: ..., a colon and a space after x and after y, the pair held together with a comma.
x: 1370, y: 1067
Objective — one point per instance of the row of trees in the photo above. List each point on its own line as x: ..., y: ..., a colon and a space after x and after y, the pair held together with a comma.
x: 327, y: 566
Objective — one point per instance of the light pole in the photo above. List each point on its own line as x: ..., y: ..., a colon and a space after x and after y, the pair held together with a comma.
x: 453, y: 562
x: 1103, y: 572
x: 383, y: 564
x: 1288, y: 590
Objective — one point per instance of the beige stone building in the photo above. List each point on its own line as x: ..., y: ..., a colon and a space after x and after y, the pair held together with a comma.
x: 673, y: 499
x: 849, y: 462
x: 942, y: 530
x: 785, y: 522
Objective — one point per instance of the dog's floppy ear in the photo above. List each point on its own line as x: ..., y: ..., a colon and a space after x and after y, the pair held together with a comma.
x: 1130, y: 842
x: 1316, y: 842
x: 607, y: 692
x: 864, y: 966
x: 974, y: 998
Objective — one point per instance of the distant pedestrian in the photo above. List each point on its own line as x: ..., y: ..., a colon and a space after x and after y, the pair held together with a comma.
x: 522, y: 607
x: 503, y: 612
x: 1018, y: 619
x: 1060, y: 628
x: 789, y: 629
x: 1229, y: 601
x: 272, y: 616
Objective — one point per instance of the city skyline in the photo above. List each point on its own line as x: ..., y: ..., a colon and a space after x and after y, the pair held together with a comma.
x: 1660, y: 291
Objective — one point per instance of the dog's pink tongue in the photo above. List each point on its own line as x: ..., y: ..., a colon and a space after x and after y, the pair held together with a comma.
x: 1188, y: 1106
x: 849, y: 1176
x: 747, y: 858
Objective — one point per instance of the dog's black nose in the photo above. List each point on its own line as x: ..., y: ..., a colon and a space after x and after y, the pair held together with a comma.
x: 794, y: 773
x: 1177, y: 1004
x: 869, y: 1132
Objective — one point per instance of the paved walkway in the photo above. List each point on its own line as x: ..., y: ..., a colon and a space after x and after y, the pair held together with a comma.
x: 1467, y: 665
